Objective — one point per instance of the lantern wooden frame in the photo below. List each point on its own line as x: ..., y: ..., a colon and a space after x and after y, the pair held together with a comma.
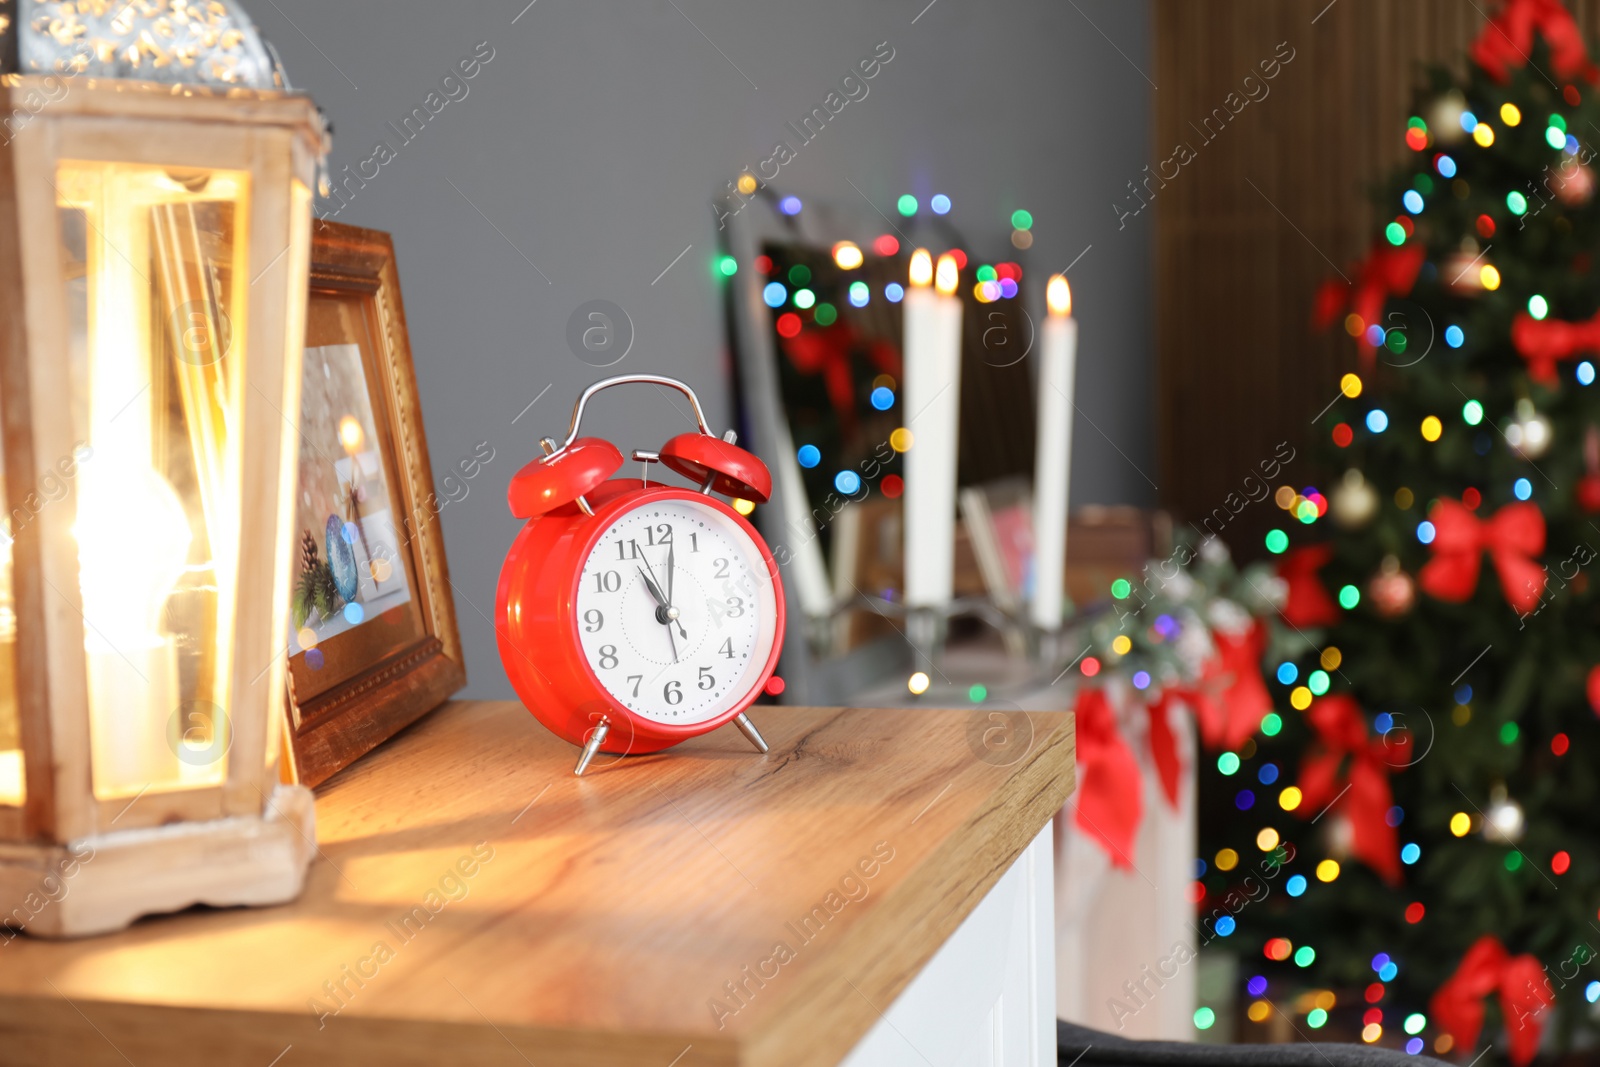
x: 248, y: 839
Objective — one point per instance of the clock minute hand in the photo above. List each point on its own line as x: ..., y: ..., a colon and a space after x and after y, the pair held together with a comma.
x: 671, y: 551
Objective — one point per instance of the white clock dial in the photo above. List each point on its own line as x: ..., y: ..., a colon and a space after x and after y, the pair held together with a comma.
x: 676, y: 612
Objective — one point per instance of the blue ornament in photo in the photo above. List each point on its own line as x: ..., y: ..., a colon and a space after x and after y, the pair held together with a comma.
x: 341, y: 559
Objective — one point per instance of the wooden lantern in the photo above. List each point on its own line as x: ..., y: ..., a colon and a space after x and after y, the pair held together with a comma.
x: 154, y: 251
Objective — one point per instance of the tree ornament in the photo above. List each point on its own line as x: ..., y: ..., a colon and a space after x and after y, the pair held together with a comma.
x: 1576, y: 189
x: 1462, y: 269
x: 1503, y: 819
x: 1392, y: 590
x: 1444, y: 118
x: 1529, y: 436
x: 1339, y: 836
x: 1593, y: 688
x: 1588, y: 493
x: 1353, y: 502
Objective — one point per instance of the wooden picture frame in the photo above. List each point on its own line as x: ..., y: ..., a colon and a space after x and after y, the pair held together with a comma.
x: 373, y: 643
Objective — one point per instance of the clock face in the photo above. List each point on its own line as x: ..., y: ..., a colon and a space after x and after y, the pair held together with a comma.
x: 676, y: 612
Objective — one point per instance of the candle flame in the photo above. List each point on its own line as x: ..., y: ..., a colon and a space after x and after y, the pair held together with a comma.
x: 1058, y: 295
x: 945, y: 276
x: 921, y: 268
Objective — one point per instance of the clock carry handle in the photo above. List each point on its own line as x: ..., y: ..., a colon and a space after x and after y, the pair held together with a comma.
x: 630, y: 379
x: 717, y: 463
x: 579, y: 465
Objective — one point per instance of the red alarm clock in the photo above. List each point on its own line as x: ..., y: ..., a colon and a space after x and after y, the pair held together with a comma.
x: 633, y: 616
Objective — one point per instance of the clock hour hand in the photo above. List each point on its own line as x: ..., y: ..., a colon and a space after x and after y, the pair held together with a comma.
x: 655, y: 590
x: 663, y: 613
x: 666, y: 614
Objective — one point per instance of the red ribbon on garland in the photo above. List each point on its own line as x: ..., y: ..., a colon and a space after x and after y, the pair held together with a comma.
x: 1231, y: 697
x: 1512, y: 537
x: 1229, y: 701
x: 1308, y: 603
x: 1164, y: 747
x: 1384, y: 273
x: 1110, y: 798
x: 1350, y: 768
x: 1506, y: 42
x: 1543, y: 343
x: 1487, y: 968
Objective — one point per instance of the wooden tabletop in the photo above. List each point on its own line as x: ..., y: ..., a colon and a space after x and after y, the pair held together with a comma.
x: 474, y: 903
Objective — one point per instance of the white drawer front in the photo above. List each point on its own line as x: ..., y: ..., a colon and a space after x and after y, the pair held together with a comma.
x: 987, y: 998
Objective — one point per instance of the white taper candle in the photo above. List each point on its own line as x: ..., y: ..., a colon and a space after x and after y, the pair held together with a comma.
x: 1052, y: 466
x: 932, y: 406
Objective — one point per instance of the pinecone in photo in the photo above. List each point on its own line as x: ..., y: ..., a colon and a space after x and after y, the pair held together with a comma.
x: 308, y: 552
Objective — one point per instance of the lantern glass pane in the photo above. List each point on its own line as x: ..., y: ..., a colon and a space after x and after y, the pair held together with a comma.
x: 156, y: 283
x: 11, y: 784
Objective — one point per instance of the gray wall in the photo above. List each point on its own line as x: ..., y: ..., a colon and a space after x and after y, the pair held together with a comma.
x: 585, y: 153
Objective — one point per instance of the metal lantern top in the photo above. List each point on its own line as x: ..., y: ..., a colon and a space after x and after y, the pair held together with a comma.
x: 173, y: 42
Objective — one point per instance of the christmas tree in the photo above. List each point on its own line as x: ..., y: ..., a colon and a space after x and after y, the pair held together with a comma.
x: 1435, y: 777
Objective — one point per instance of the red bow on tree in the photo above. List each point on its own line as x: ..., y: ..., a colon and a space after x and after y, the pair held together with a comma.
x: 1110, y: 799
x: 1308, y: 603
x: 1349, y: 767
x: 826, y: 351
x: 1512, y: 538
x: 1230, y: 698
x: 1386, y: 272
x: 1542, y: 343
x: 1489, y: 968
x: 1507, y: 40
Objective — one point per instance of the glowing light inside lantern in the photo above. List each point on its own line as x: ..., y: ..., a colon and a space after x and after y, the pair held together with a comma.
x: 135, y: 526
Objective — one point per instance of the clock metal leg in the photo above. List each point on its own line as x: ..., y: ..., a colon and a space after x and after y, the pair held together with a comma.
x: 590, y: 747
x: 749, y: 730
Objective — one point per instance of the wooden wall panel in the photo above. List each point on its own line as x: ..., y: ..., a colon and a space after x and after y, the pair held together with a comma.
x: 1265, y: 211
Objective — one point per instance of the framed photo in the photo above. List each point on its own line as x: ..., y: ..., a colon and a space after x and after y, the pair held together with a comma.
x: 373, y: 643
